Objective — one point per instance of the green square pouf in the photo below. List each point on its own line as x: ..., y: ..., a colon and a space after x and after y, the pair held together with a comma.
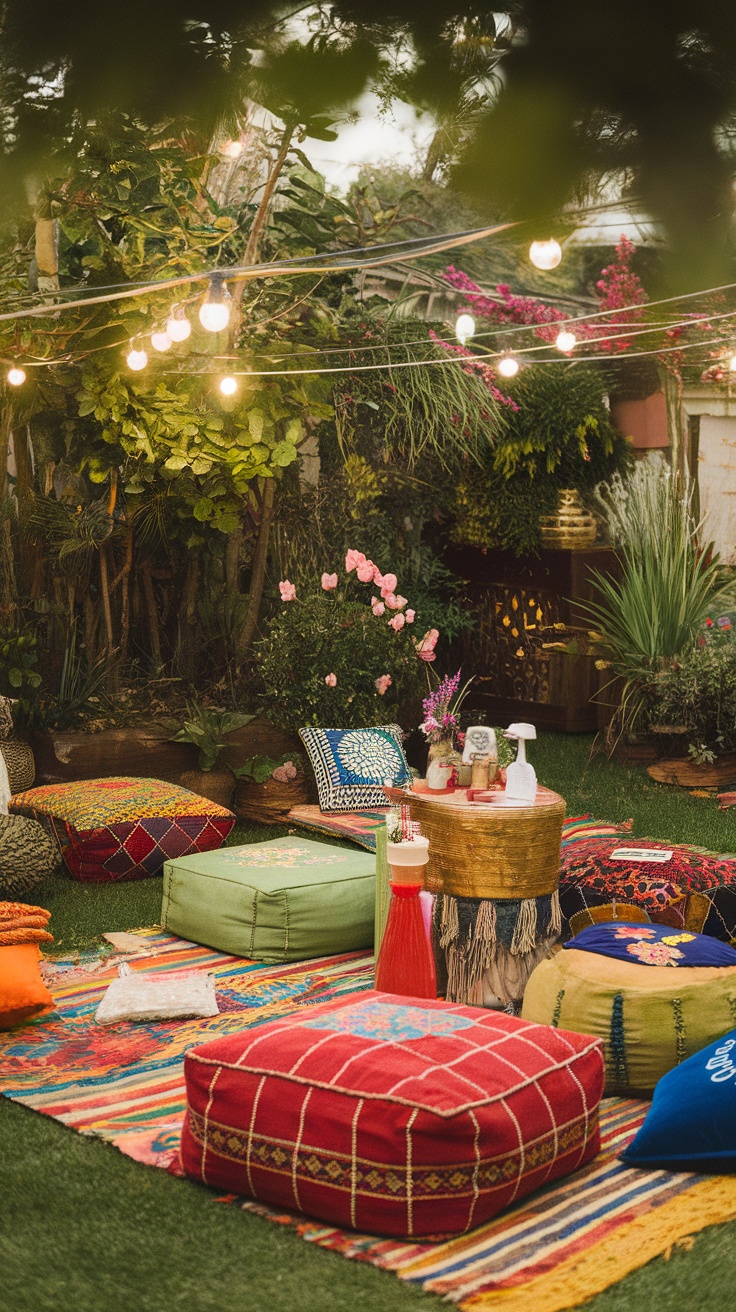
x: 282, y: 901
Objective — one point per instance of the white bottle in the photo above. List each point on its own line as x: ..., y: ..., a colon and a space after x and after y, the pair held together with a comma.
x: 521, y: 779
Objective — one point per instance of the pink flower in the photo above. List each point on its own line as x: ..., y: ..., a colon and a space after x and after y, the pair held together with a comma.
x: 377, y: 577
x: 287, y: 590
x: 353, y: 559
x: 426, y: 645
x: 331, y: 680
x: 329, y: 581
x: 383, y: 684
x: 377, y: 606
x: 398, y: 622
x: 285, y: 773
x: 394, y: 602
x: 365, y: 571
x: 389, y: 584
x: 410, y: 616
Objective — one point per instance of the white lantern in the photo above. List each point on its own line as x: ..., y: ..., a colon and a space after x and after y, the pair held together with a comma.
x: 16, y: 376
x: 178, y: 327
x: 545, y: 254
x: 228, y: 385
x: 214, y: 312
x: 160, y: 341
x: 565, y: 341
x: 508, y: 366
x: 464, y: 328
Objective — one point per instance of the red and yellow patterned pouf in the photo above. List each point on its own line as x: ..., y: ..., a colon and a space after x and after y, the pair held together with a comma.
x: 392, y: 1115
x: 121, y: 828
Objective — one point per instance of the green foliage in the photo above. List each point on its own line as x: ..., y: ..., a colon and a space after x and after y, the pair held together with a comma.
x: 697, y: 691
x: 208, y: 730
x: 561, y: 436
x: 668, y: 585
x: 336, y: 634
x: 81, y: 684
x: 19, y: 677
x: 260, y: 768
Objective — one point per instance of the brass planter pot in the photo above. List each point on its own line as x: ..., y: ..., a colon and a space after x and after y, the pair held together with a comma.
x: 571, y: 526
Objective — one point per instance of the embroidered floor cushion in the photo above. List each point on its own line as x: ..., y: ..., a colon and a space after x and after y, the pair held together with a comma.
x: 286, y: 900
x: 351, y: 766
x: 27, y: 855
x: 650, y: 1017
x: 691, y: 1125
x: 392, y: 1116
x: 122, y: 828
x: 694, y: 889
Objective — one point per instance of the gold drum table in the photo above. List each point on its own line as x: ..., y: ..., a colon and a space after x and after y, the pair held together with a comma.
x: 494, y: 869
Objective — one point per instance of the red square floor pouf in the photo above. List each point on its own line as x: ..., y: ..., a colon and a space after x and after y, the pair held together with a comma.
x: 392, y: 1115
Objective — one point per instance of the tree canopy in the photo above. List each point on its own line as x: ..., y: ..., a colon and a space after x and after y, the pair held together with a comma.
x: 641, y: 89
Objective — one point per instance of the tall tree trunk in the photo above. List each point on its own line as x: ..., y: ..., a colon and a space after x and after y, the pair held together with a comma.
x: 29, y: 548
x: 258, y: 572
x: 187, y: 645
x: 232, y: 562
x: 8, y: 588
x: 152, y: 613
x: 250, y: 253
x: 47, y: 254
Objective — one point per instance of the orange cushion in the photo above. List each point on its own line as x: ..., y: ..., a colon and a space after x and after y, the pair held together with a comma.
x: 23, y: 993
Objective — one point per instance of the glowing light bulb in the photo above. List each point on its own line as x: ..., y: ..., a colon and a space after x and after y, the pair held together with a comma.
x: 731, y: 365
x: 137, y: 358
x: 464, y: 328
x: 565, y: 341
x: 545, y: 254
x: 214, y: 312
x: 228, y: 385
x: 16, y: 376
x: 232, y: 149
x: 160, y: 341
x: 178, y: 327
x: 508, y: 366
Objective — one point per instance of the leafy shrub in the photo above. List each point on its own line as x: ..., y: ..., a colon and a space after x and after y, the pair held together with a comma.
x: 328, y: 655
x: 19, y: 677
x: 697, y: 691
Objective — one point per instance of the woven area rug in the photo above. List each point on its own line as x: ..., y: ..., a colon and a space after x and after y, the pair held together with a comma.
x: 125, y: 1084
x: 358, y: 826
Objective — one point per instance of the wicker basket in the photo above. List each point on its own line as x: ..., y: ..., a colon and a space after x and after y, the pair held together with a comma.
x: 491, y: 851
x: 571, y: 526
x: 21, y: 766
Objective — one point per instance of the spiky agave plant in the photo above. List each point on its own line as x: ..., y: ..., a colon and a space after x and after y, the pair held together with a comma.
x: 670, y: 581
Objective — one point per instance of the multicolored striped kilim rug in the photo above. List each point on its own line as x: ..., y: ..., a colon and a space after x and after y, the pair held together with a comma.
x: 125, y: 1084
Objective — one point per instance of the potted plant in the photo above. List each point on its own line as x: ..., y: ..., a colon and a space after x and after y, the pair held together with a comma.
x: 207, y: 730
x: 269, y: 787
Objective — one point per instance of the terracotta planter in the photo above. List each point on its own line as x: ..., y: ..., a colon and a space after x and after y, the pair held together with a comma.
x: 269, y: 803
x: 216, y: 785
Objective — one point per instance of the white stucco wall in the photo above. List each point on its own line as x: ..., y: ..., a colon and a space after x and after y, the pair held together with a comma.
x: 717, y: 480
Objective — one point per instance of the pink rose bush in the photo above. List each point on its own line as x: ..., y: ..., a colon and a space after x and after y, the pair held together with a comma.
x: 341, y: 652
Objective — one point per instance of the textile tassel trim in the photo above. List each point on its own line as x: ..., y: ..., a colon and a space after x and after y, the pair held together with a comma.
x: 554, y: 925
x: 470, y: 933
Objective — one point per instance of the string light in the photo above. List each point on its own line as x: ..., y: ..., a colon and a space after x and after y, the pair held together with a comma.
x: 508, y: 366
x: 545, y: 254
x: 232, y: 149
x: 160, y: 341
x: 228, y: 385
x: 137, y: 358
x: 565, y: 341
x: 214, y: 312
x: 16, y: 376
x: 464, y: 328
x: 178, y: 327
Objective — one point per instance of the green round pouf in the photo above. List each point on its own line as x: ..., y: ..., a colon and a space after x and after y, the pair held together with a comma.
x: 650, y: 1017
x: 27, y: 855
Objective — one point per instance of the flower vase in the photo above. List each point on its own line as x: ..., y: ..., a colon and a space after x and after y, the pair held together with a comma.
x: 441, y: 763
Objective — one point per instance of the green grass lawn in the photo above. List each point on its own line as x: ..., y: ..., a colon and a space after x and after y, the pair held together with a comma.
x: 83, y: 1227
